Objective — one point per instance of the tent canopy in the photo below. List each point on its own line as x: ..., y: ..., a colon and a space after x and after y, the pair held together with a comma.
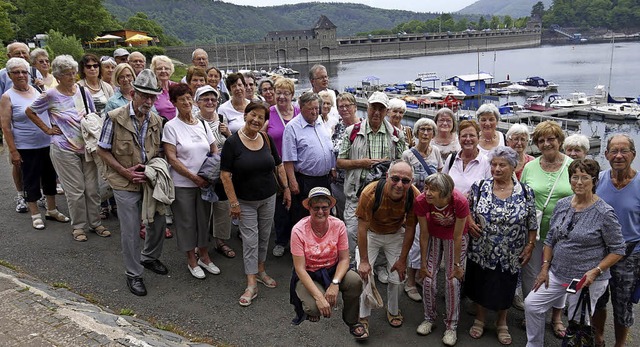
x: 109, y: 37
x: 138, y: 38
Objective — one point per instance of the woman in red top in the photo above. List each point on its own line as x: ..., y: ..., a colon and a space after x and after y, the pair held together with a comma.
x: 442, y: 212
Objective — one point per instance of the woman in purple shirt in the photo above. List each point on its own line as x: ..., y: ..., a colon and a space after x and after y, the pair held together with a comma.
x: 162, y: 66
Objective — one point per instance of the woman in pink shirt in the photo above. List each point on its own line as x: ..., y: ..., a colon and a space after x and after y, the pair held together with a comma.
x: 320, y: 250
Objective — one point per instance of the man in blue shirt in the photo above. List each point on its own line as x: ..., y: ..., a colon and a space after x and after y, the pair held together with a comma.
x: 307, y: 153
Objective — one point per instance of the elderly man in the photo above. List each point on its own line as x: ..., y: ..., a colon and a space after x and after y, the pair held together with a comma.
x: 307, y: 154
x: 121, y: 55
x: 18, y: 50
x: 199, y: 58
x: 619, y: 187
x: 137, y: 61
x: 384, y: 211
x: 365, y: 144
x: 130, y: 139
x: 319, y: 79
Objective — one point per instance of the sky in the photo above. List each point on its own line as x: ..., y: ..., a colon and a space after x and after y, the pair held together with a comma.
x: 409, y: 5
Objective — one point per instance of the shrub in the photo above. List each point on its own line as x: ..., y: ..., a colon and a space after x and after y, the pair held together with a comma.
x: 61, y: 44
x: 148, y: 52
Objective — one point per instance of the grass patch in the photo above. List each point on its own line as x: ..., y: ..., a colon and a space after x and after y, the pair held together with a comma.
x: 180, y: 71
x: 61, y: 285
x: 8, y: 264
x: 126, y: 312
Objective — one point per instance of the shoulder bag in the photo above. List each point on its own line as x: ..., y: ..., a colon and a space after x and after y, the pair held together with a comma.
x: 540, y: 213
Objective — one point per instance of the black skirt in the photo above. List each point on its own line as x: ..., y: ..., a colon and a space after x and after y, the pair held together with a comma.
x: 492, y: 289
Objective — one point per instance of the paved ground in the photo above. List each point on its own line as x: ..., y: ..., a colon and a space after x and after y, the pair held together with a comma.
x: 205, y: 310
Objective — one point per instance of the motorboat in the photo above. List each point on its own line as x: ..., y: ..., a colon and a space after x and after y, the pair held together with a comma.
x: 536, y: 103
x: 516, y: 88
x: 579, y: 99
x: 451, y: 90
x: 536, y: 84
x: 284, y: 71
x: 627, y: 110
x: 512, y: 106
x: 558, y: 101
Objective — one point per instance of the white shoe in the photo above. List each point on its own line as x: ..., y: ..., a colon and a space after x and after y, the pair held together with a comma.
x: 196, y: 272
x: 278, y: 250
x: 425, y: 328
x: 59, y: 189
x: 412, y: 293
x: 21, y: 205
x: 211, y: 267
x: 42, y: 202
x: 383, y: 274
x: 450, y: 338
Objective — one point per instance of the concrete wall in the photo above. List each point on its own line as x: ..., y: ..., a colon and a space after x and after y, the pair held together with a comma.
x: 272, y: 53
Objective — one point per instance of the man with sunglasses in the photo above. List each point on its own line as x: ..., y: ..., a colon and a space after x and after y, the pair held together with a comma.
x: 130, y: 139
x: 387, y: 223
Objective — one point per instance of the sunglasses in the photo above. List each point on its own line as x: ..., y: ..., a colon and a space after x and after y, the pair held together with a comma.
x: 396, y: 179
x: 92, y: 66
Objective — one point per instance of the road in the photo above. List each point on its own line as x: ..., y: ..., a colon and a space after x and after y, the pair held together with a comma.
x: 206, y: 309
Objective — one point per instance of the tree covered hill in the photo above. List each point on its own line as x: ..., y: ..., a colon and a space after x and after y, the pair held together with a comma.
x: 208, y: 21
x: 513, y: 8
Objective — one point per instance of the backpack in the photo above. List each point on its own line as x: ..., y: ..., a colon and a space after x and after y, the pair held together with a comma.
x: 377, y: 200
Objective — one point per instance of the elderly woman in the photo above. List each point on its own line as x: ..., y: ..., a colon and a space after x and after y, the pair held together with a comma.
x: 346, y: 104
x: 576, y: 146
x: 469, y: 164
x: 233, y: 110
x: 266, y: 89
x: 505, y: 211
x: 518, y: 139
x: 163, y: 67
x: 91, y: 79
x: 425, y: 160
x: 196, y: 78
x: 490, y: 138
x: 250, y: 87
x: 249, y: 158
x: 123, y: 77
x: 40, y: 60
x: 328, y: 121
x: 583, y: 242
x: 446, y: 138
x: 214, y: 76
x: 186, y: 142
x: 28, y: 145
x: 279, y: 115
x: 547, y: 175
x: 65, y: 106
x: 442, y: 212
x: 397, y: 109
x: 207, y: 101
x: 320, y: 250
x: 108, y: 64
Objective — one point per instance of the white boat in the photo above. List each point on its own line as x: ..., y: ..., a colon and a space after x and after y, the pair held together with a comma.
x: 579, y: 99
x: 627, y: 110
x: 448, y: 89
x: 536, y: 84
x: 285, y: 71
x: 433, y: 95
x: 556, y: 100
x: 516, y: 88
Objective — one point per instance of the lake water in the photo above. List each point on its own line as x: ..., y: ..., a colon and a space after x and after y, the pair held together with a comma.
x: 576, y: 68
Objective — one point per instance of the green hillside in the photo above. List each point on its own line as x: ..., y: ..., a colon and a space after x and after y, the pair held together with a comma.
x: 513, y: 8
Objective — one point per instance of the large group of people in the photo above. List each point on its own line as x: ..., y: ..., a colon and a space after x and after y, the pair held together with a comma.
x: 353, y: 199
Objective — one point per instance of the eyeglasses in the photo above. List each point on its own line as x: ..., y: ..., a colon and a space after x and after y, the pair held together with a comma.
x: 321, y: 78
x: 92, y: 66
x: 425, y: 130
x: 267, y: 90
x: 548, y: 139
x: 43, y: 61
x: 20, y: 72
x: 585, y: 178
x: 344, y: 107
x: 208, y: 100
x: 620, y: 151
x: 396, y: 179
x: 283, y: 93
x: 163, y: 69
x: 445, y: 120
x: 318, y: 208
x: 518, y: 139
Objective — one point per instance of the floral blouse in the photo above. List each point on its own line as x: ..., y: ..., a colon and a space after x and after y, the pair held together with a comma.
x: 505, y: 225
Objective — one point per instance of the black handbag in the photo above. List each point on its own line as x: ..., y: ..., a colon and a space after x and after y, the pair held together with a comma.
x: 580, y: 334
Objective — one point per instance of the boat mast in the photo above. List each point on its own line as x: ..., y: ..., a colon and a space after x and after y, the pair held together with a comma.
x: 611, y: 64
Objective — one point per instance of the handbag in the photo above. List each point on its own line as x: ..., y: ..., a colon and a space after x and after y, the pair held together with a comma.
x: 372, y: 298
x: 279, y: 186
x: 540, y: 213
x: 580, y: 334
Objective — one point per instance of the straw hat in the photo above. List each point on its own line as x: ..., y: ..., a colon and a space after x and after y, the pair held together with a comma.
x: 319, y: 191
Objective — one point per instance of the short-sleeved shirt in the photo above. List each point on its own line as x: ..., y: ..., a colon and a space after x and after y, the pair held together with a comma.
x: 390, y: 216
x: 319, y: 252
x: 251, y: 171
x: 235, y: 119
x: 477, y: 169
x: 308, y: 146
x: 26, y: 135
x: 164, y: 106
x: 451, y: 147
x: 276, y: 125
x: 193, y: 142
x: 66, y: 112
x: 441, y: 222
x: 626, y: 204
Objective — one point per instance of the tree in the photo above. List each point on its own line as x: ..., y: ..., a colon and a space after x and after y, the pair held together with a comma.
x: 508, y: 21
x: 482, y: 23
x: 537, y: 10
x: 61, y: 44
x: 6, y: 27
x: 141, y: 21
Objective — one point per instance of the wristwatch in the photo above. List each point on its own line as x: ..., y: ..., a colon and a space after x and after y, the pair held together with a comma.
x: 335, y: 281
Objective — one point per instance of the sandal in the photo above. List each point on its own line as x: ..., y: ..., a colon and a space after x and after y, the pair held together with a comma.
x: 477, y: 329
x: 245, y: 300
x: 104, y: 212
x: 558, y: 329
x: 79, y: 235
x: 358, y: 331
x: 503, y: 335
x: 365, y: 324
x: 265, y: 279
x: 225, y: 250
x: 395, y: 321
x: 101, y: 231
x: 56, y: 216
x: 36, y: 221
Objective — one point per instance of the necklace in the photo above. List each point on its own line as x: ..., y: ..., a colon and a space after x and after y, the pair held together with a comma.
x: 491, y: 139
x: 95, y: 90
x: 247, y: 137
x: 500, y: 188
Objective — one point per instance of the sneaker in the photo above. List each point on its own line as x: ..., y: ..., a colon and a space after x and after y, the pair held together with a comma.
x: 450, y: 338
x: 21, y: 205
x: 425, y: 328
x: 383, y: 274
x: 42, y: 202
x: 278, y: 251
